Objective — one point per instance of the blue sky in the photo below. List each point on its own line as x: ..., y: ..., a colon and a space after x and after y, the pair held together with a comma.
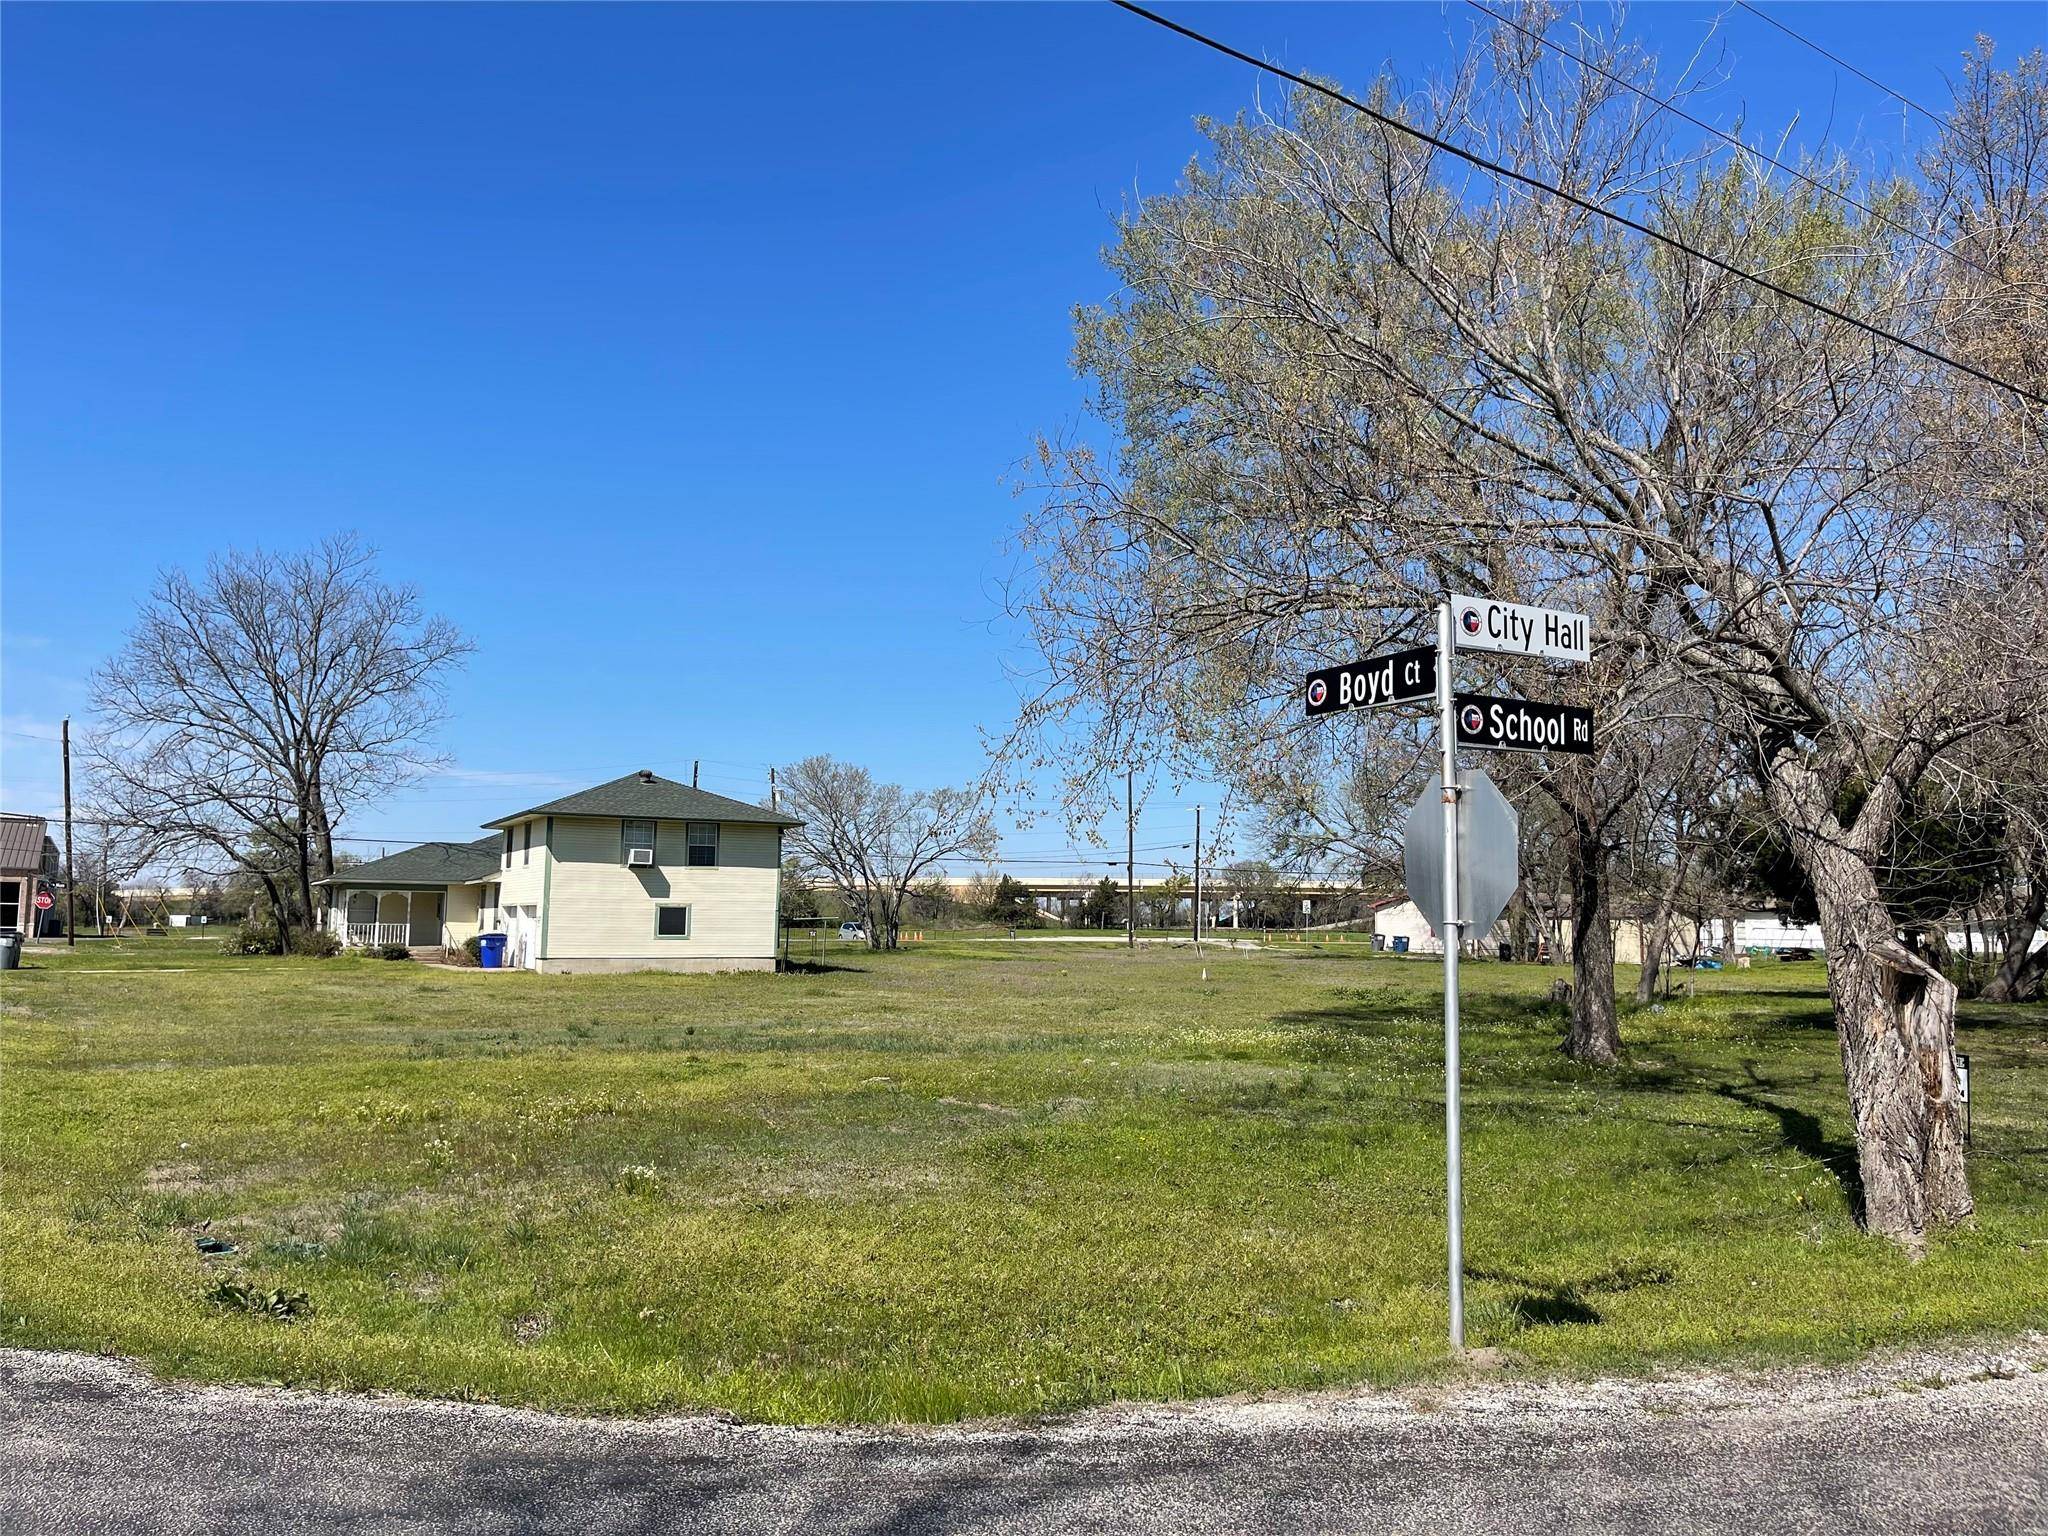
x: 681, y: 355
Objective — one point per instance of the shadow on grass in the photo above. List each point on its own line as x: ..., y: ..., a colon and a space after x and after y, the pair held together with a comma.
x: 1537, y: 1303
x: 1550, y: 1304
x: 1801, y: 1131
x: 818, y: 968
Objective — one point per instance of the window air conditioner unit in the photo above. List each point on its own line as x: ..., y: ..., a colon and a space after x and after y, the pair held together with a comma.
x: 639, y: 856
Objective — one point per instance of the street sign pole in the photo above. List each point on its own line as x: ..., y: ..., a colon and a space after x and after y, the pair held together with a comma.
x: 1454, y: 1197
x: 1473, y: 903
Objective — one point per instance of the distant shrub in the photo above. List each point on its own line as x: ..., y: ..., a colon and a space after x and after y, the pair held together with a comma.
x: 250, y: 939
x: 261, y: 939
x: 393, y: 952
x: 469, y: 952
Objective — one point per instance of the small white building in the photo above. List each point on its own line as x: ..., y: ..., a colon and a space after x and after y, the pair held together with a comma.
x: 1400, y: 918
x: 1761, y: 928
x: 641, y: 874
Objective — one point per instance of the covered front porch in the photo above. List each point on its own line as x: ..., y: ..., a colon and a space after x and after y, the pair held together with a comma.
x: 370, y: 919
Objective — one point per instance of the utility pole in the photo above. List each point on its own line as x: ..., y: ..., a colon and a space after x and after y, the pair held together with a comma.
x: 70, y: 887
x: 774, y: 794
x: 1198, y: 877
x: 1130, y: 864
x: 1447, y: 732
x: 99, y: 886
x: 693, y: 773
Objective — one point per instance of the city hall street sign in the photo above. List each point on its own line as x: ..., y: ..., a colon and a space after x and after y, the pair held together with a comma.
x: 1487, y: 624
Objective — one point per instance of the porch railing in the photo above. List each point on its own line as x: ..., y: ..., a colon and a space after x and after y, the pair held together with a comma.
x: 371, y: 935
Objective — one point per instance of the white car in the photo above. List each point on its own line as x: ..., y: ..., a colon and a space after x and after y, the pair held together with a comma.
x: 852, y: 931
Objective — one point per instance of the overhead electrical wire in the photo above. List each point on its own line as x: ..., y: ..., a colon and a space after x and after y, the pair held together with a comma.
x: 1836, y: 59
x: 1721, y: 133
x: 1495, y: 168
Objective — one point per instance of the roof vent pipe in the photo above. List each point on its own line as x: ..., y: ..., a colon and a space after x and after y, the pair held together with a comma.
x: 646, y: 775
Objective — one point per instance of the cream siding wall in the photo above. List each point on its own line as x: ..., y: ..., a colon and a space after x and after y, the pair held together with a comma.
x: 598, y: 909
x: 460, y: 914
x: 520, y: 883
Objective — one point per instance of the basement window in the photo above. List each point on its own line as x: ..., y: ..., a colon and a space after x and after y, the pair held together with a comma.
x: 671, y: 922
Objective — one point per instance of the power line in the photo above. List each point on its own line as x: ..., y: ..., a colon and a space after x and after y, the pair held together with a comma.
x: 1495, y: 168
x: 1931, y: 116
x: 1900, y: 96
x: 1721, y: 133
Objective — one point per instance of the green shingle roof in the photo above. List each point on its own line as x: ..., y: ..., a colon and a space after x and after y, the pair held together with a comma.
x: 428, y: 864
x: 646, y: 795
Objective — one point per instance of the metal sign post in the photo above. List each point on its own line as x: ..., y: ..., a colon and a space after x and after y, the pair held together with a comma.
x: 1454, y: 1187
x: 1467, y: 892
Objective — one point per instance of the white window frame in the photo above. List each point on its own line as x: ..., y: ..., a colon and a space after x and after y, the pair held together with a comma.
x: 626, y: 842
x: 689, y: 920
x: 691, y: 845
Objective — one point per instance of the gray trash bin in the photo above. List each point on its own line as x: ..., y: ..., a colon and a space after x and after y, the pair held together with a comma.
x: 10, y: 951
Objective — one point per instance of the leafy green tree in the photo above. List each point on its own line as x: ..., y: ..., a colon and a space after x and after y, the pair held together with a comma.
x: 1011, y: 902
x: 1103, y: 907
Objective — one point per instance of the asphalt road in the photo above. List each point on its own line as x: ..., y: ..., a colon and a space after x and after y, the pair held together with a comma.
x: 92, y: 1445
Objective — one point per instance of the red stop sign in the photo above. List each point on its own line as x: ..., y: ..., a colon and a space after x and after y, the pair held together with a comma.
x: 45, y: 901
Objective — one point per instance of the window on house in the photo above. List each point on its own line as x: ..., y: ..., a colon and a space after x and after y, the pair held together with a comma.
x: 636, y: 834
x: 671, y: 922
x: 508, y: 847
x: 704, y: 845
x: 526, y: 839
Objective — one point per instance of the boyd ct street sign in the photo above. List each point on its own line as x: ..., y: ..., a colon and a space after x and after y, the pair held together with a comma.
x: 1401, y: 677
x: 1522, y: 725
x: 1487, y: 624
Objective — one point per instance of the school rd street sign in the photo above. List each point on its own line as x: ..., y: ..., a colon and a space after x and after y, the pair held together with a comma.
x: 1400, y: 677
x: 1488, y: 854
x: 1522, y: 725
x: 1487, y: 624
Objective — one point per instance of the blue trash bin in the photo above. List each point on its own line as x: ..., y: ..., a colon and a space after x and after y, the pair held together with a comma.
x: 1400, y: 943
x: 490, y: 951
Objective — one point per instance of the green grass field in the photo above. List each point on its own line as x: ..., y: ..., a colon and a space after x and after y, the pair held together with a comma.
x: 968, y: 1179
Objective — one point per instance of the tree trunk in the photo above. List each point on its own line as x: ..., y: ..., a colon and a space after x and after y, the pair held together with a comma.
x: 281, y: 910
x: 1594, y: 1035
x: 1657, y: 936
x: 1895, y: 1016
x: 2020, y: 970
x: 304, y: 873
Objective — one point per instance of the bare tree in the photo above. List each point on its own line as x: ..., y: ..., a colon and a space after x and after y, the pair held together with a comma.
x: 1343, y: 380
x: 875, y: 842
x: 111, y: 856
x: 260, y: 702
